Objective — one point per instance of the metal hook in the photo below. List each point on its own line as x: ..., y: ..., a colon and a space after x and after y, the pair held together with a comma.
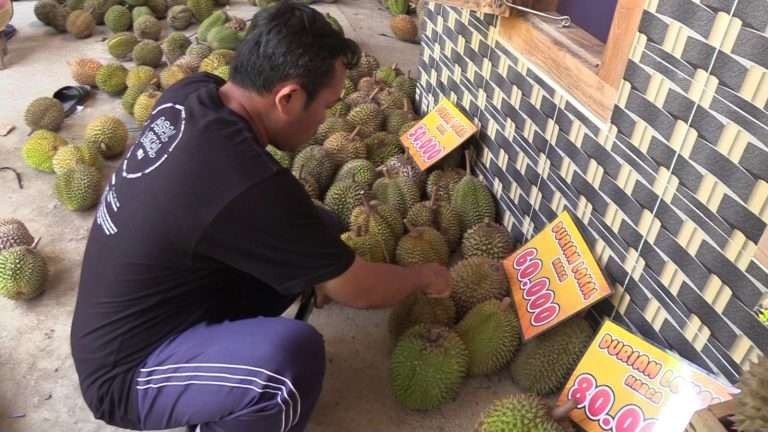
x: 565, y: 21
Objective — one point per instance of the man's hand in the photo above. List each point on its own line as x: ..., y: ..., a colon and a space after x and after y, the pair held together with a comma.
x: 437, y: 280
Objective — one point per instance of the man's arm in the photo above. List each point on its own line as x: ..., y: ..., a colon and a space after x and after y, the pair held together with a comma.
x: 373, y: 285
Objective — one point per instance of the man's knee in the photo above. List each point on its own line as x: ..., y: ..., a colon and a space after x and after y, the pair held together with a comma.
x: 304, y: 344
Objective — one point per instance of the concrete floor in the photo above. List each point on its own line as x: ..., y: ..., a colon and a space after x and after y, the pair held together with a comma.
x: 38, y: 386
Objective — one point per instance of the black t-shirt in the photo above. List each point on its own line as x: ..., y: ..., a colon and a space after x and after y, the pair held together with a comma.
x: 195, y: 204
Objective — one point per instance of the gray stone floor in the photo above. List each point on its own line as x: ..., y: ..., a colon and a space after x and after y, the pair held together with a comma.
x: 38, y: 387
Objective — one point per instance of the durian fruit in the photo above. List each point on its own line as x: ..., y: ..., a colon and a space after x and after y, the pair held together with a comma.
x: 428, y: 366
x: 60, y: 16
x: 13, y: 233
x: 197, y: 52
x: 223, y: 37
x: 76, y: 154
x: 404, y: 28
x: 491, y: 332
x: 422, y: 245
x: 401, y: 193
x: 417, y: 309
x: 130, y: 96
x: 84, y: 70
x: 357, y: 98
x: 394, y: 120
x: 218, y: 18
x: 48, y: 13
x: 111, y: 78
x: 147, y: 27
x: 118, y: 19
x: 40, y: 148
x: 225, y: 54
x: 148, y: 53
x: 331, y: 126
x: 521, y: 412
x: 222, y: 72
x: 750, y: 415
x: 545, y: 363
x: 339, y: 109
x: 79, y: 188
x: 368, y: 84
x: 405, y: 85
x: 80, y: 24
x: 403, y: 165
x: 316, y: 162
x: 349, y: 88
x: 145, y: 103
x: 398, y: 7
x: 343, y: 197
x: 159, y: 8
x: 202, y: 9
x: 390, y: 99
x: 343, y: 147
x: 120, y: 45
x: 282, y: 157
x: 310, y: 186
x: 382, y: 146
x: 213, y: 62
x: 488, y: 239
x: 180, y: 17
x: 380, y: 220
x: 387, y: 74
x: 475, y: 280
x: 175, y: 45
x: 107, y: 134
x: 367, y: 66
x: 357, y: 170
x: 44, y: 113
x: 23, y: 272
x: 99, y: 8
x: 367, y: 245
x: 171, y: 75
x: 440, y: 216
x: 368, y: 117
x: 444, y: 182
x: 141, y: 11
x: 472, y: 199
x: 140, y: 75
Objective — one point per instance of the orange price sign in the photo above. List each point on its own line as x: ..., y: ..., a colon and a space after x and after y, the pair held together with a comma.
x: 437, y: 134
x: 554, y: 276
x: 626, y: 384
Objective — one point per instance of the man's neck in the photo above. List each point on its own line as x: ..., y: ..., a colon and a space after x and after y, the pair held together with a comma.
x: 232, y: 96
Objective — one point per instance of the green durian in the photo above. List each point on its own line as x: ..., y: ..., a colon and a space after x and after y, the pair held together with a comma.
x: 171, y: 75
x: 398, y: 7
x: 222, y: 72
x: 118, y: 19
x: 472, y: 199
x: 223, y: 37
x: 344, y: 146
x: 390, y: 100
x: 349, y: 88
x: 475, y: 280
x: 382, y: 146
x: 78, y: 188
x: 130, y: 96
x: 357, y: 170
x: 521, y: 412
x: 316, y: 162
x: 23, y: 273
x: 340, y: 109
x: 428, y: 365
x: 159, y: 8
x: 331, y: 126
x: 439, y: 216
x: 144, y: 105
x: 141, y: 11
x: 545, y: 363
x: 422, y: 245
x: 180, y: 17
x: 405, y: 85
x: 175, y: 45
x: 367, y: 245
x: 488, y: 239
x: 147, y: 27
x: 40, y: 148
x: 13, y: 233
x: 343, y: 197
x: 202, y: 9
x: 368, y: 117
x: 380, y: 220
x: 147, y: 53
x: 403, y: 165
x: 69, y: 156
x: 395, y: 120
x: 120, y: 45
x: 491, y: 332
x: 218, y: 18
x: 366, y: 67
x: 387, y: 74
x: 282, y: 157
x: 399, y: 192
x: 80, y: 24
x: 213, y: 62
x: 108, y: 134
x: 417, y: 309
x: 140, y: 75
x: 44, y: 113
x: 446, y: 180
x: 46, y: 11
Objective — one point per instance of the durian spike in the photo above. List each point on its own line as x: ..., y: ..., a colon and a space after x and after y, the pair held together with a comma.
x: 354, y: 132
x: 561, y: 412
x: 383, y: 249
x: 506, y: 304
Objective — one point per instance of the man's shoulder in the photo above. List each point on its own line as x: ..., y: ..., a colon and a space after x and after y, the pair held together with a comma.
x: 192, y: 84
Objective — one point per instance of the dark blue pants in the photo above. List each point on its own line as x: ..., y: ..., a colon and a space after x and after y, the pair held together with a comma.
x: 258, y: 374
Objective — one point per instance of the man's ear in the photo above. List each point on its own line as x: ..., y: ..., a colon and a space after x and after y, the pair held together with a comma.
x: 289, y: 99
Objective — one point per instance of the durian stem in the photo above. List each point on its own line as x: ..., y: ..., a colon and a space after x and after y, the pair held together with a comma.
x: 562, y: 411
x: 301, y: 171
x: 373, y: 93
x: 467, y: 157
x: 37, y: 242
x: 18, y: 176
x: 354, y: 132
x: 506, y: 304
x: 405, y: 105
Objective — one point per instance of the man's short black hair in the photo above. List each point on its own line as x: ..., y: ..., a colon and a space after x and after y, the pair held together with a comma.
x: 291, y: 41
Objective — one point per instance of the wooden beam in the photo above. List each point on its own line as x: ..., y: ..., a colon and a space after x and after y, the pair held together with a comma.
x: 626, y: 21
x: 553, y: 52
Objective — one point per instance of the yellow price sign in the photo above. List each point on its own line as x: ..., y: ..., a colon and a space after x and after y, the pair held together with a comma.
x: 437, y: 134
x: 626, y: 384
x: 554, y: 276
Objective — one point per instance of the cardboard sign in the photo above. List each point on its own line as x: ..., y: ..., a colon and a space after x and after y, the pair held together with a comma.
x: 437, y: 134
x: 554, y: 276
x: 625, y: 384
